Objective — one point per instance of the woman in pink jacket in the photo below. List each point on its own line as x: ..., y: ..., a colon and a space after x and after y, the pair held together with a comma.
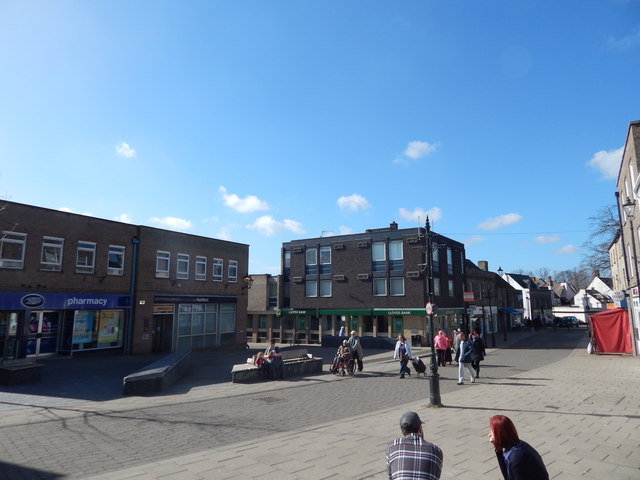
x: 441, y: 342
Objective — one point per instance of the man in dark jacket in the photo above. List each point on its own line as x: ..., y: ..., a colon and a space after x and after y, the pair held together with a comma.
x: 477, y: 351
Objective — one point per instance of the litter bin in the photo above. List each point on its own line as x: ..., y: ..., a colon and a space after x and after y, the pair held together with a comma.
x: 416, y: 340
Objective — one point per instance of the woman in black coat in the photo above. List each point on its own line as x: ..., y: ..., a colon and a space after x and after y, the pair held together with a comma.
x: 477, y: 351
x: 517, y: 459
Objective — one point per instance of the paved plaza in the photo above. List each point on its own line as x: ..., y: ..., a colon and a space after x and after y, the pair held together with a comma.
x: 582, y: 413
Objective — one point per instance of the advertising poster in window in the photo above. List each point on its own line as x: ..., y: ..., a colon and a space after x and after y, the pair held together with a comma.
x: 109, y: 326
x: 83, y: 326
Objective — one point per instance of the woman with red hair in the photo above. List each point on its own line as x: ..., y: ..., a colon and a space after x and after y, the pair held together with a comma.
x: 517, y: 459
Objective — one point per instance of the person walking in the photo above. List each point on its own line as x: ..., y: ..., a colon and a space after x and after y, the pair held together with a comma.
x: 441, y: 342
x: 411, y: 456
x: 477, y: 352
x: 456, y: 345
x: 356, y: 348
x: 402, y: 353
x: 517, y: 459
x: 464, y: 363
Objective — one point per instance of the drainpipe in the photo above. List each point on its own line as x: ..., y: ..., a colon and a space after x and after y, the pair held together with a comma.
x: 132, y: 307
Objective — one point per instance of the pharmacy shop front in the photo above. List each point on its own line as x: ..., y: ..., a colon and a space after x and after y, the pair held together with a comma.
x: 42, y: 324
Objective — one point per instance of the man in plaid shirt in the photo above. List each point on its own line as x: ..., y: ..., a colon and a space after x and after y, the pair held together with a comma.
x: 412, y: 457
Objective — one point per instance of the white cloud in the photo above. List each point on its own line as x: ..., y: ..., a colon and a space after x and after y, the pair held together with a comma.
x: 625, y: 43
x: 607, y: 162
x: 419, y: 215
x: 248, y: 204
x: 224, y: 233
x: 472, y: 240
x: 68, y: 210
x: 124, y: 218
x: 353, y: 202
x: 124, y: 150
x: 417, y: 149
x: 345, y: 230
x: 547, y: 239
x: 172, y: 223
x: 268, y: 226
x: 500, y: 221
x: 567, y: 249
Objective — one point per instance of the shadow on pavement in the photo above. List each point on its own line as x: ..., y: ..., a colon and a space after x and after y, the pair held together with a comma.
x: 11, y: 470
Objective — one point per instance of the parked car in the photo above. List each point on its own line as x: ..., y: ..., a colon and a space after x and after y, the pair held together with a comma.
x: 568, y: 321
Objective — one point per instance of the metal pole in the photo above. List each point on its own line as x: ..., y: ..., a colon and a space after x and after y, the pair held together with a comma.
x: 434, y: 381
x: 493, y: 327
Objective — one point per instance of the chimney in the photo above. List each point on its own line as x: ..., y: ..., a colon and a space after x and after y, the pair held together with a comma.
x: 483, y: 265
x: 393, y: 226
x: 596, y: 273
x: 550, y: 280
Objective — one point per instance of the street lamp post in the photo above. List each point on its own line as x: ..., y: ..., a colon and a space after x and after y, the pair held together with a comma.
x: 629, y: 206
x: 504, y: 320
x: 434, y: 380
x: 492, y: 326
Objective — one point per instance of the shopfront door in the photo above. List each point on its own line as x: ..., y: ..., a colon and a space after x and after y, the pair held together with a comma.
x: 162, y: 331
x: 42, y: 333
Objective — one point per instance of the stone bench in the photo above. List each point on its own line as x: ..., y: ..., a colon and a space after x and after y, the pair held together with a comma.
x: 297, y: 362
x: 158, y: 375
x: 20, y: 372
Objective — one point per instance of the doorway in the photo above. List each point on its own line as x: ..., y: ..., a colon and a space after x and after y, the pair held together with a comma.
x: 41, y: 332
x: 162, y: 333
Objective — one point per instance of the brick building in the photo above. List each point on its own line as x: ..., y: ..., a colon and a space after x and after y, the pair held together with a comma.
x: 71, y: 283
x: 372, y: 282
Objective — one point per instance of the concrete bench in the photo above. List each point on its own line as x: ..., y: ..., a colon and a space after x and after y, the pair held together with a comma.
x: 20, y: 372
x: 158, y: 375
x: 297, y: 362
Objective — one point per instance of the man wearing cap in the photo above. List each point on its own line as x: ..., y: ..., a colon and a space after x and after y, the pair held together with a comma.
x: 412, y: 457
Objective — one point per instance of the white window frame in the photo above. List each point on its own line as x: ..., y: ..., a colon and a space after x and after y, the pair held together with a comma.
x: 311, y: 288
x: 182, y: 266
x: 86, y: 247
x: 324, y: 251
x: 232, y: 271
x: 322, y: 288
x: 375, y: 248
x: 397, y: 281
x: 217, y: 269
x: 376, y: 283
x: 12, y: 238
x: 51, y: 253
x: 451, y: 287
x: 163, y: 263
x: 120, y: 251
x: 393, y: 245
x: 201, y: 268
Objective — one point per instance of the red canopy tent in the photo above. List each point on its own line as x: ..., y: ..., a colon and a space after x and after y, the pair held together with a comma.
x: 610, y: 331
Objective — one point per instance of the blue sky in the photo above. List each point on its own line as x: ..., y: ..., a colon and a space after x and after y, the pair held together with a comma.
x: 262, y: 122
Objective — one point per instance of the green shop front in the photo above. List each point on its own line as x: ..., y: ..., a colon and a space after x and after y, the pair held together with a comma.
x: 310, y: 325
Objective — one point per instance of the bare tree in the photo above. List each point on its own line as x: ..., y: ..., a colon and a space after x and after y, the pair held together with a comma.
x: 605, y: 224
x: 578, y: 277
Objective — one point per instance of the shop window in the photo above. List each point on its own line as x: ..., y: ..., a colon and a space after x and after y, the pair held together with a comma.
x: 396, y: 286
x: 311, y: 261
x: 86, y: 257
x: 325, y: 288
x: 311, y: 289
x: 233, y: 271
x: 201, y: 268
x: 218, y: 266
x: 182, y: 266
x: 379, y: 287
x: 163, y: 260
x: 51, y: 258
x: 12, y: 247
x: 115, y: 260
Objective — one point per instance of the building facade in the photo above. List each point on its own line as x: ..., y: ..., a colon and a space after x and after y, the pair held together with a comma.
x: 625, y: 272
x: 72, y: 283
x: 375, y: 283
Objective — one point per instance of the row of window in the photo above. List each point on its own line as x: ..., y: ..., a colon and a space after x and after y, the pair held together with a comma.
x: 163, y: 265
x: 382, y: 287
x: 13, y: 246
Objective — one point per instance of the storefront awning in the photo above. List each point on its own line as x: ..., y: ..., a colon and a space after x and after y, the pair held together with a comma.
x: 511, y: 310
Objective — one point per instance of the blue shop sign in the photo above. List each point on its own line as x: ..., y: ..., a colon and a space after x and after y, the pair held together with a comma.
x: 62, y: 301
